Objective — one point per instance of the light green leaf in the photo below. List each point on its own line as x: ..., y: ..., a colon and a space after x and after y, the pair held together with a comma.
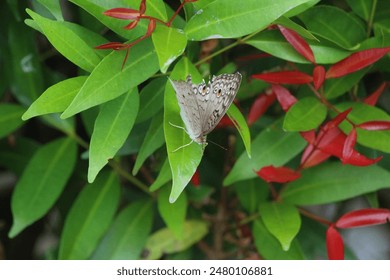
x: 331, y: 182
x: 379, y: 140
x: 56, y: 98
x: 42, y: 182
x: 271, y: 146
x: 89, y: 217
x: 112, y: 127
x: 151, y: 99
x: 232, y: 19
x: 169, y: 43
x: 344, y: 29
x: 10, y: 118
x: 108, y: 80
x: 306, y: 114
x: 128, y: 234
x: 282, y: 220
x: 184, y: 161
x: 173, y: 214
x: 269, y: 247
x: 163, y: 177
x: 67, y: 42
x: 242, y: 127
x: 163, y: 241
x: 153, y: 140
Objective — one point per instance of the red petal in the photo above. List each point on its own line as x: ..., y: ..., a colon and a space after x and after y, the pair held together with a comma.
x: 334, y: 244
x: 122, y: 13
x: 113, y: 46
x: 195, y: 180
x: 298, y: 43
x: 285, y: 77
x: 131, y: 25
x: 318, y: 76
x: 364, y: 217
x: 285, y: 98
x: 151, y: 26
x: 142, y: 7
x: 356, y: 61
x: 331, y: 141
x: 337, y: 120
x: 349, y: 144
x: 373, y: 98
x: 375, y: 125
x: 259, y: 107
x: 309, y: 136
x: 278, y: 174
x: 358, y: 159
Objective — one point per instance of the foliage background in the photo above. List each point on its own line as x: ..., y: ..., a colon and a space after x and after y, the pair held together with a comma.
x: 66, y: 108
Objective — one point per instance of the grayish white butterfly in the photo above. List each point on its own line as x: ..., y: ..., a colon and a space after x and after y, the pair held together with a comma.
x: 203, y: 105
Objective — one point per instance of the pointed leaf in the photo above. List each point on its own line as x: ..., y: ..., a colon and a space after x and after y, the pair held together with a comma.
x: 184, y: 161
x: 364, y: 217
x: 318, y: 76
x: 170, y: 43
x: 88, y: 219
x: 375, y: 125
x: 373, y: 98
x: 56, y: 98
x: 173, y: 214
x: 349, y: 144
x: 10, y: 118
x: 241, y: 125
x: 278, y: 174
x: 282, y: 220
x: 112, y: 127
x: 153, y: 140
x: 356, y: 61
x: 322, y: 184
x: 260, y: 106
x: 163, y: 241
x: 122, y: 13
x: 234, y: 19
x: 42, y: 182
x: 108, y: 81
x: 284, y: 77
x: 163, y: 177
x: 308, y: 113
x: 128, y: 234
x: 334, y: 244
x: 285, y: 98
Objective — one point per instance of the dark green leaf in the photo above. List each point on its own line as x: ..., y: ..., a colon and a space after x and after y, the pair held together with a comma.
x: 10, y: 118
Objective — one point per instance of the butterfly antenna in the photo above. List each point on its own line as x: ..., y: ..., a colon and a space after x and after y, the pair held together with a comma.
x: 218, y: 145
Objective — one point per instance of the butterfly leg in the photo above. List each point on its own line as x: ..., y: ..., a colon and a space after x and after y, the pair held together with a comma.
x: 182, y: 146
x: 177, y: 126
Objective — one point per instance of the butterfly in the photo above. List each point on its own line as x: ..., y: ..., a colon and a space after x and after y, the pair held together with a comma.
x: 203, y: 105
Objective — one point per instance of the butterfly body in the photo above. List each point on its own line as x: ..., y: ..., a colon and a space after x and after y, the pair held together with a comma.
x: 203, y: 105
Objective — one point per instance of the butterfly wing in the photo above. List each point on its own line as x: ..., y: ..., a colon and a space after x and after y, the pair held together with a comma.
x: 222, y: 91
x: 190, y: 111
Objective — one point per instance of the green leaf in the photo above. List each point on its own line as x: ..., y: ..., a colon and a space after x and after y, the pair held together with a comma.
x: 184, y: 161
x: 269, y: 247
x: 88, y: 219
x: 232, y: 19
x: 344, y: 29
x: 336, y: 87
x: 173, y: 214
x: 306, y: 114
x: 273, y: 42
x: 153, y: 140
x: 282, y: 220
x: 56, y: 98
x: 331, y: 182
x: 242, y: 127
x: 128, y: 234
x: 290, y: 24
x: 163, y: 241
x: 54, y: 7
x: 67, y: 42
x: 151, y: 99
x: 42, y: 182
x: 251, y: 193
x: 363, y: 8
x: 108, y: 81
x: 163, y: 177
x: 10, y: 118
x: 379, y: 140
x: 271, y: 146
x: 112, y: 127
x: 169, y: 43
